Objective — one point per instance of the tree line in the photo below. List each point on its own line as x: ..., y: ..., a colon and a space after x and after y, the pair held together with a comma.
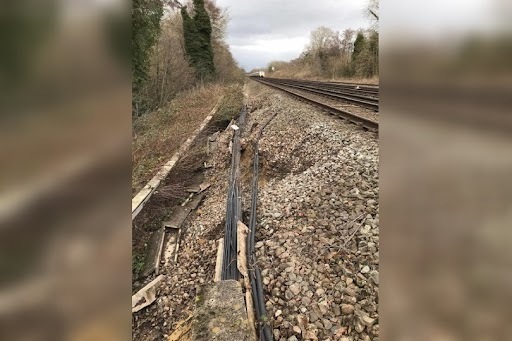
x: 331, y: 54
x: 175, y: 47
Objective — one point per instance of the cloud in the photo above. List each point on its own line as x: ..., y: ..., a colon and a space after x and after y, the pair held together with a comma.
x: 266, y: 30
x: 259, y: 52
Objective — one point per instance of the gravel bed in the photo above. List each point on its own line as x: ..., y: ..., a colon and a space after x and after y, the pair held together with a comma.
x: 351, y: 108
x: 317, y: 239
x: 357, y: 92
x: 318, y: 235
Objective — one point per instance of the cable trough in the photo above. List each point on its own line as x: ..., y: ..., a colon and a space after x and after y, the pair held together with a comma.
x: 233, y: 206
x: 233, y: 215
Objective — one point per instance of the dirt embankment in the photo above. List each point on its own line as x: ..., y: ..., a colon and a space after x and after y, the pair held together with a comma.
x: 155, y: 139
x: 158, y: 135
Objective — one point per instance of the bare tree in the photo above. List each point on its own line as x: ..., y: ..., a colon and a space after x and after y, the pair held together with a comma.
x: 169, y: 72
x: 372, y: 12
x: 347, y: 42
x: 172, y: 4
x: 219, y: 18
x: 321, y: 39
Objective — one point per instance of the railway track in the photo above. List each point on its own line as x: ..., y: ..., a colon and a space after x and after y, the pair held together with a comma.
x: 368, y: 121
x: 365, y: 92
x: 365, y: 85
x: 327, y: 91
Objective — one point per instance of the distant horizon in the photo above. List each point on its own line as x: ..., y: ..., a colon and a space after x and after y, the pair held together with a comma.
x: 258, y: 33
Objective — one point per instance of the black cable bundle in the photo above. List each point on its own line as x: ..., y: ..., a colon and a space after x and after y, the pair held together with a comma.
x: 233, y: 208
x: 254, y: 272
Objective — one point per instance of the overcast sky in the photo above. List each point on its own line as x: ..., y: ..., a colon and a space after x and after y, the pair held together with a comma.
x: 260, y: 31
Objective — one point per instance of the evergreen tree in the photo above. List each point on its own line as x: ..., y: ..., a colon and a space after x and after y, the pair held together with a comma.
x: 373, y: 46
x: 191, y: 37
x: 359, y: 46
x: 197, y: 33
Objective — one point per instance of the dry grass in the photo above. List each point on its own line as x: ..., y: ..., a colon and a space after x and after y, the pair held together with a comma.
x: 157, y: 136
x: 305, y: 74
x: 371, y: 81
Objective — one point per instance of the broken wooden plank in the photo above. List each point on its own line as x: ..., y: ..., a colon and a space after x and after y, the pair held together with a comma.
x: 218, y: 263
x: 182, y: 213
x: 194, y: 189
x: 203, y: 187
x: 178, y: 217
x: 198, y: 188
x: 188, y: 199
x: 147, y: 191
x: 182, y: 329
x: 153, y: 253
x: 196, y: 201
x: 177, y: 247
x: 175, y: 224
x: 242, y: 232
x: 146, y: 295
x: 241, y: 237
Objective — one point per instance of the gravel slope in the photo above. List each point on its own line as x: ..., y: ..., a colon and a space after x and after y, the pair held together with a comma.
x: 317, y: 238
x: 318, y: 224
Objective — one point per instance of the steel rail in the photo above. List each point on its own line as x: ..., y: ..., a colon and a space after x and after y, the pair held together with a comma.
x: 335, y: 86
x: 367, y: 101
x: 348, y: 92
x: 361, y: 87
x: 364, y: 85
x: 358, y: 120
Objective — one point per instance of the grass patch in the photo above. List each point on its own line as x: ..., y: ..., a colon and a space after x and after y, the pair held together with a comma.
x: 158, y: 135
x: 137, y: 264
x: 231, y: 104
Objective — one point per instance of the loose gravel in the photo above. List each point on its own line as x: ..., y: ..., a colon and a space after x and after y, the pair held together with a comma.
x: 318, y: 235
x: 317, y: 238
x: 196, y: 256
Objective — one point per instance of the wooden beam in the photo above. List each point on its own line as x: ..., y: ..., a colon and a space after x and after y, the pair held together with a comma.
x: 218, y: 263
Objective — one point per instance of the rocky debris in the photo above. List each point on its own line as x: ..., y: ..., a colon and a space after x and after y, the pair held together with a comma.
x: 318, y: 235
x: 317, y: 227
x: 347, y: 309
x: 197, y: 255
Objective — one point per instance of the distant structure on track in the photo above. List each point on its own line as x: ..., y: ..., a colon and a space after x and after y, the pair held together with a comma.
x: 257, y: 74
